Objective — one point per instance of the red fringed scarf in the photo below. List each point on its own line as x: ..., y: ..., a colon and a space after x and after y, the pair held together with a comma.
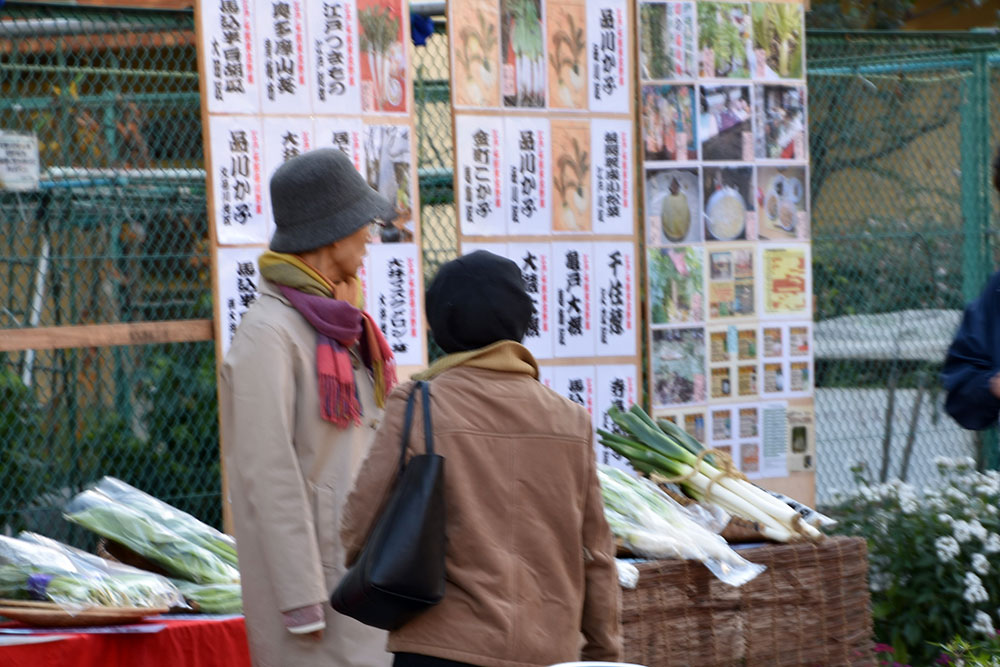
x: 339, y: 326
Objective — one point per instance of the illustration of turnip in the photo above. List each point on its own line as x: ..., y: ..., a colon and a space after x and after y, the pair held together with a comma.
x: 570, y: 181
x: 569, y: 68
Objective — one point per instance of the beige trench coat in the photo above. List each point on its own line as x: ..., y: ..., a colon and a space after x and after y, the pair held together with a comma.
x: 289, y: 474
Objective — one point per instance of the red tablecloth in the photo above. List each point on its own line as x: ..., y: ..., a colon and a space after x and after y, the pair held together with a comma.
x: 220, y: 642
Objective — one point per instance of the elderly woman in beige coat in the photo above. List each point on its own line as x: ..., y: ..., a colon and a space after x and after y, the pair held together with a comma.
x: 303, y: 386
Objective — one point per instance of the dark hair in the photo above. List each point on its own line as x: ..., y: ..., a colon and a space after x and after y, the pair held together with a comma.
x: 996, y: 171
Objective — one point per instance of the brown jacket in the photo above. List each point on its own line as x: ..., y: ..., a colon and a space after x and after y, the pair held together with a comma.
x: 530, y: 558
x: 289, y: 472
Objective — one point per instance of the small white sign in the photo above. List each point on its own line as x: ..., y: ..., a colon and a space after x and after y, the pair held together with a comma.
x: 608, y: 51
x: 573, y: 299
x: 333, y: 55
x: 393, y: 293
x: 19, y: 163
x: 239, y: 286
x: 535, y: 262
x: 239, y: 187
x: 285, y: 78
x: 480, y: 181
x: 232, y: 71
x: 614, y: 298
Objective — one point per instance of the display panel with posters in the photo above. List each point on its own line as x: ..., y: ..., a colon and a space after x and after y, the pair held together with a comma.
x: 280, y: 77
x: 723, y: 123
x: 545, y: 169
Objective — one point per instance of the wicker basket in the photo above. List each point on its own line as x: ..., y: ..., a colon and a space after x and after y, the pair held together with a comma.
x: 810, y: 607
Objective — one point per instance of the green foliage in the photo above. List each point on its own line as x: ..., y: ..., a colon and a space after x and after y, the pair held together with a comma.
x: 934, y: 558
x: 22, y: 461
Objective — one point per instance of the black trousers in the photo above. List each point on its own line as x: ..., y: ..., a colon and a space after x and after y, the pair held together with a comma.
x: 417, y: 660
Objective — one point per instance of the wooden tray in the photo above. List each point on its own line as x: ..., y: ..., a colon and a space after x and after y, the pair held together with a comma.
x: 51, y: 615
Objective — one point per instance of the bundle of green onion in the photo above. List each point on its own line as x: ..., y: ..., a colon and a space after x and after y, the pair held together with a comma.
x: 662, y: 448
x: 213, y: 598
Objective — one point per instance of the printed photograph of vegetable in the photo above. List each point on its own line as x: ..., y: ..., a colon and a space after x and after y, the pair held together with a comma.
x: 668, y: 131
x: 781, y: 199
x: 666, y: 40
x: 724, y: 40
x: 571, y: 176
x: 678, y: 366
x: 383, y: 55
x: 673, y: 206
x: 724, y: 125
x: 729, y: 203
x: 387, y: 166
x: 781, y: 122
x: 662, y: 450
x: 523, y: 53
x: 777, y: 40
x: 677, y: 284
x: 567, y: 44
x: 477, y: 53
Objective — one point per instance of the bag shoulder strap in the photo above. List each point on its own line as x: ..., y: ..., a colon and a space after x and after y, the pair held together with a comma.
x: 424, y: 388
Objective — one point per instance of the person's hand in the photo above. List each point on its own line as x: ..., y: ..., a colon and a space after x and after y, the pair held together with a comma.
x: 995, y: 385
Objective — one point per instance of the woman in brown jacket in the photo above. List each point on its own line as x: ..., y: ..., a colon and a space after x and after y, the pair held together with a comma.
x: 530, y: 560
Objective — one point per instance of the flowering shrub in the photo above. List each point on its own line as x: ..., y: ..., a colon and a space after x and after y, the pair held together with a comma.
x: 934, y: 558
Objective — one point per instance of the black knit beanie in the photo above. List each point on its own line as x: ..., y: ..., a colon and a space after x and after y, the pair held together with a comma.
x: 477, y: 300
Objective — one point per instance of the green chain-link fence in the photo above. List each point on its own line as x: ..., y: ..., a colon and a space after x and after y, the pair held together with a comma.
x: 900, y: 139
x: 901, y: 143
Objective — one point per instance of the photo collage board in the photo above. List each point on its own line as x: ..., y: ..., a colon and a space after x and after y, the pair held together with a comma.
x: 725, y: 172
x: 282, y: 77
x: 543, y: 100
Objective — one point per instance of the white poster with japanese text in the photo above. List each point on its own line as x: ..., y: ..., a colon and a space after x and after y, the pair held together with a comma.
x: 232, y: 73
x: 578, y: 384
x: 239, y: 286
x: 239, y: 186
x: 284, y: 138
x: 281, y: 32
x: 480, y: 184
x: 527, y: 167
x: 615, y: 298
x: 608, y: 47
x: 535, y: 262
x: 333, y: 54
x: 344, y: 134
x: 617, y: 387
x: 613, y: 177
x: 573, y: 307
x: 394, y: 300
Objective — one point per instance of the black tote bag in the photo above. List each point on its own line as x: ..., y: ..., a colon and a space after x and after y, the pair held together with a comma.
x: 400, y: 571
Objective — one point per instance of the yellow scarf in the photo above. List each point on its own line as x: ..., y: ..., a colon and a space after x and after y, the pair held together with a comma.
x: 505, y: 355
x: 293, y: 271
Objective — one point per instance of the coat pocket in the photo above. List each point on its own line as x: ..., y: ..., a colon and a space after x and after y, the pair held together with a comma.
x: 326, y: 514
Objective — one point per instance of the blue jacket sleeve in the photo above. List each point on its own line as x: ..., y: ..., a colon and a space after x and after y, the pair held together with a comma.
x: 972, y: 361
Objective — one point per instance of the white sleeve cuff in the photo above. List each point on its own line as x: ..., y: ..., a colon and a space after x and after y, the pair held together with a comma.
x: 306, y: 629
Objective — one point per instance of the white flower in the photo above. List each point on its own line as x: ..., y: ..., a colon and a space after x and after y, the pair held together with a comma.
x: 879, y: 581
x: 957, y: 496
x: 991, y: 544
x: 945, y: 518
x: 909, y: 505
x: 974, y: 590
x: 962, y: 530
x: 980, y: 564
x: 942, y: 462
x: 947, y: 548
x: 983, y: 624
x: 977, y: 530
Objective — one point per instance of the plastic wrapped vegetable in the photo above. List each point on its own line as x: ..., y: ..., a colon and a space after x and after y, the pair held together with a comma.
x: 69, y: 590
x: 213, y: 598
x: 654, y: 525
x: 96, y: 512
x: 182, y: 523
x: 139, y: 588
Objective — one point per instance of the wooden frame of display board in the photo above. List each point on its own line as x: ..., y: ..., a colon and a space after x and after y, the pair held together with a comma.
x: 392, y: 274
x: 707, y: 302
x: 563, y: 111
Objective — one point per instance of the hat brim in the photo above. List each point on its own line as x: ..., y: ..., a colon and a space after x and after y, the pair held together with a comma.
x: 306, y: 237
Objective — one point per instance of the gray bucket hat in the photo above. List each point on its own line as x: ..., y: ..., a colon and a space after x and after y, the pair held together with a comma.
x: 318, y: 198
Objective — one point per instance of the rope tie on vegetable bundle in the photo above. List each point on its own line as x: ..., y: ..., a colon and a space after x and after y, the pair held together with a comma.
x: 727, y: 468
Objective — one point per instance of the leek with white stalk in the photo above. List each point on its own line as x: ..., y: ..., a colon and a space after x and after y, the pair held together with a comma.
x: 664, y: 449
x: 654, y: 525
